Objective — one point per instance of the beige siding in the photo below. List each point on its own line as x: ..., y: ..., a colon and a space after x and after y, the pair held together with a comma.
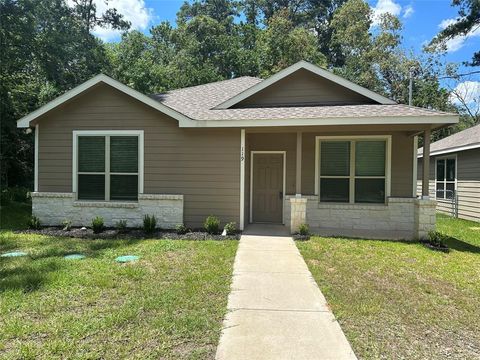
x: 303, y: 88
x: 402, y: 158
x: 468, y: 184
x: 201, y: 164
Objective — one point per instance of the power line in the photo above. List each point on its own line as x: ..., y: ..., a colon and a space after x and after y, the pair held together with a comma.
x: 459, y: 75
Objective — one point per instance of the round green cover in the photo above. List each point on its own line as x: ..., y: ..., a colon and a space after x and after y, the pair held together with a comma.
x: 126, y: 258
x: 14, y: 254
x: 74, y: 257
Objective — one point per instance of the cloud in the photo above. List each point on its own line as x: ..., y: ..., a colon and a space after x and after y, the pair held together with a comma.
x: 408, y: 11
x: 134, y: 11
x: 469, y: 91
x: 385, y: 6
x: 457, y: 42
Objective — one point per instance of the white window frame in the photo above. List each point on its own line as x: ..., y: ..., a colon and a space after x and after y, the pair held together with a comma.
x: 352, y: 176
x: 107, y: 134
x: 445, y: 181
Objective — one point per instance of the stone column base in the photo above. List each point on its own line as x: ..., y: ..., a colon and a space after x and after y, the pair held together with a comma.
x: 298, y: 213
x: 425, y: 217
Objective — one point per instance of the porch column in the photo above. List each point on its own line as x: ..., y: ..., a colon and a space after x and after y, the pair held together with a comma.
x: 426, y: 164
x: 298, y: 181
x: 242, y: 179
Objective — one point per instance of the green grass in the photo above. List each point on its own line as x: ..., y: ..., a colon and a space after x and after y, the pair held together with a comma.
x: 397, y: 300
x: 169, y: 305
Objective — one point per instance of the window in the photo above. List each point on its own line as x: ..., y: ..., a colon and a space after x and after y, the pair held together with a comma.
x: 353, y: 171
x: 107, y: 165
x: 445, y: 182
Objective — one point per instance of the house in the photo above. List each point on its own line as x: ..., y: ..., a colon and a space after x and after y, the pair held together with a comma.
x: 454, y: 177
x: 303, y: 146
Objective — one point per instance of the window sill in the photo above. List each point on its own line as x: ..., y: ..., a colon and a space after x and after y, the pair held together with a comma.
x: 105, y: 204
x: 343, y: 206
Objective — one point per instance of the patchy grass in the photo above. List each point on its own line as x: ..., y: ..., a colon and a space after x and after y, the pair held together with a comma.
x: 399, y: 300
x: 169, y: 304
x: 15, y: 216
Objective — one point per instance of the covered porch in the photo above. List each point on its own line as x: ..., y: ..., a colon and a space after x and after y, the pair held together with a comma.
x: 340, y: 180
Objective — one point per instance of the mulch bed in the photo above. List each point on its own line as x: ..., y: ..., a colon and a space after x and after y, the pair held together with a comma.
x: 129, y: 234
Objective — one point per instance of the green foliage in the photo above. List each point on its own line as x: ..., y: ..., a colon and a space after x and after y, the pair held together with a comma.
x: 437, y: 239
x: 121, y: 226
x: 231, y: 228
x: 15, y: 194
x: 67, y: 225
x: 181, y: 229
x: 97, y: 224
x: 212, y: 225
x: 303, y: 229
x: 34, y: 223
x: 149, y: 223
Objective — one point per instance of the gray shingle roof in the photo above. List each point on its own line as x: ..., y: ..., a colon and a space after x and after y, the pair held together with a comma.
x: 467, y: 137
x: 198, y: 103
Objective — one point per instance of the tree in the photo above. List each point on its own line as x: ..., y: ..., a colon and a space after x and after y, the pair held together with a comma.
x: 282, y: 44
x: 467, y: 22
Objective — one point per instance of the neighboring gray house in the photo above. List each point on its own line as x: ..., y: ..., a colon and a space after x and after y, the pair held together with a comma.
x: 303, y: 146
x: 455, y: 173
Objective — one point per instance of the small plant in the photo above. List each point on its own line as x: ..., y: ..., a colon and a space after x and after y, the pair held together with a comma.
x: 67, y: 225
x: 181, y: 229
x: 97, y: 224
x: 212, y: 225
x: 149, y: 223
x: 230, y: 228
x: 303, y: 229
x: 121, y: 226
x: 437, y: 240
x: 34, y: 223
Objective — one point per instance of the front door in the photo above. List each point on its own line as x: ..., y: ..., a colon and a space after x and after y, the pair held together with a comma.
x: 267, y: 192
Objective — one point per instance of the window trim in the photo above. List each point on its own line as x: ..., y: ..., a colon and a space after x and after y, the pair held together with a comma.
x: 388, y: 163
x: 107, y: 133
x: 445, y: 157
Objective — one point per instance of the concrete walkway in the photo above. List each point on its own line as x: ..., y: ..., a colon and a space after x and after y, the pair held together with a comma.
x: 276, y: 310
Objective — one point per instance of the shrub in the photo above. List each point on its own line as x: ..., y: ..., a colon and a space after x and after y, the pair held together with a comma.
x: 121, y: 225
x: 149, y: 223
x: 231, y: 228
x: 437, y: 239
x: 303, y: 229
x: 34, y: 223
x: 67, y: 224
x: 181, y: 229
x: 97, y: 224
x: 211, y: 225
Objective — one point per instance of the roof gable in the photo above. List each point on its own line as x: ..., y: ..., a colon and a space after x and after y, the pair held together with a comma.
x: 295, y: 86
x: 25, y: 121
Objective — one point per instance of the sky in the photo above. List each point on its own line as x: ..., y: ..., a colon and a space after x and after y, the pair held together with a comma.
x: 422, y: 19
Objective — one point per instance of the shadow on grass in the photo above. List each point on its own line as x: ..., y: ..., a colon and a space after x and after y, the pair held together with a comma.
x: 27, y: 277
x: 463, y: 246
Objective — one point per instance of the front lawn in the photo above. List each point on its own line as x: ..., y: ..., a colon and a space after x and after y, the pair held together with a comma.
x: 401, y: 300
x: 169, y: 304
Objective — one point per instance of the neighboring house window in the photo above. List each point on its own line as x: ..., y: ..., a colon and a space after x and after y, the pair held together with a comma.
x: 108, y: 165
x: 445, y: 178
x: 353, y: 171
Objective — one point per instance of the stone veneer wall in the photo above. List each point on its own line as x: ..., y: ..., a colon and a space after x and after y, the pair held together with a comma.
x: 54, y: 208
x: 406, y: 218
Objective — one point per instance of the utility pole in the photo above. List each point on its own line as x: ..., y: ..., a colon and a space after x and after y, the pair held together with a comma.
x: 410, y: 86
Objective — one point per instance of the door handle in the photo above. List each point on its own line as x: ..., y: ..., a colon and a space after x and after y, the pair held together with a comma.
x: 280, y: 194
